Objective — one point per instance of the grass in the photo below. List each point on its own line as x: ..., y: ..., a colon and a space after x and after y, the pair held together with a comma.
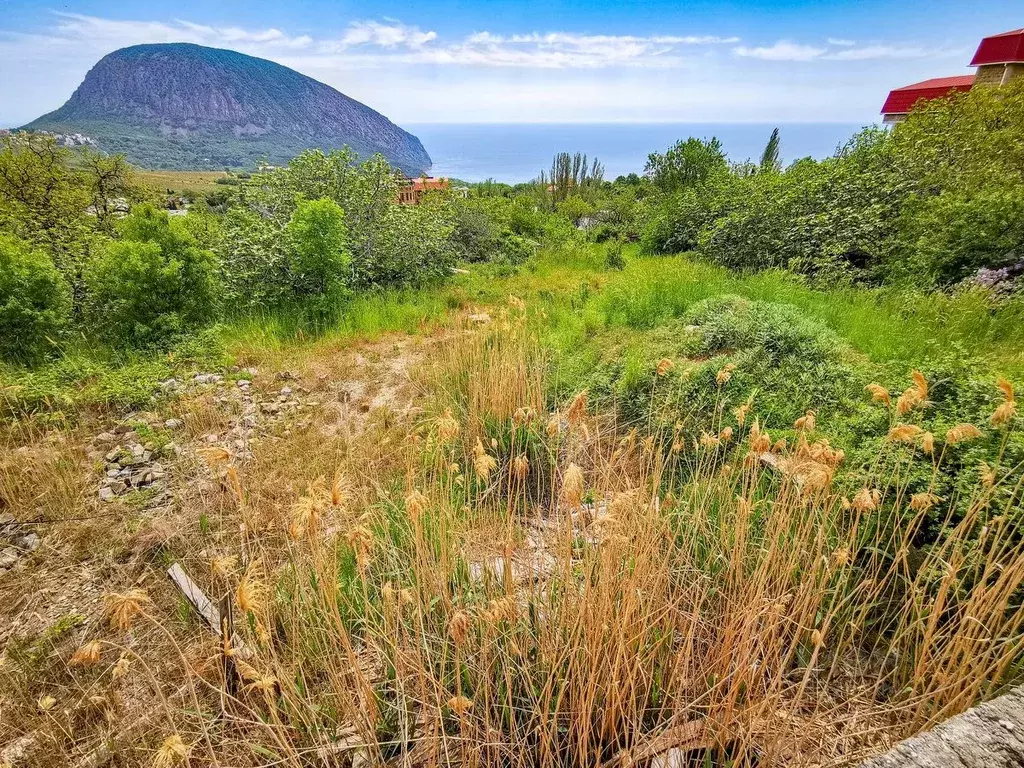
x: 505, y: 571
x: 179, y: 181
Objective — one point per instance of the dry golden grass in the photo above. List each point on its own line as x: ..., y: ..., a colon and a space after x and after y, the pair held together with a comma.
x: 178, y: 181
x: 495, y: 581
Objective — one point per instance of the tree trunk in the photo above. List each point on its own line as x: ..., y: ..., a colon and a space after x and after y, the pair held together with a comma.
x: 991, y: 735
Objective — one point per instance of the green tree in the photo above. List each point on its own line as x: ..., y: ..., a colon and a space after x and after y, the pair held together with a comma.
x: 153, y: 283
x: 686, y: 164
x: 770, y: 162
x: 320, y: 263
x: 35, y: 302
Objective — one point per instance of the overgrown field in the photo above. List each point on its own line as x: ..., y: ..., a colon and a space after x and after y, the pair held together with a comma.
x: 564, y: 516
x: 717, y: 466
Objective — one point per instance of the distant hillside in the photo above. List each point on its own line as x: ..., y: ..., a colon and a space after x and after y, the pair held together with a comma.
x: 179, y: 105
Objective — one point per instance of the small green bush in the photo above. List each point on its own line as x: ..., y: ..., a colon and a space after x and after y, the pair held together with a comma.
x: 35, y: 302
x: 320, y: 266
x: 153, y: 284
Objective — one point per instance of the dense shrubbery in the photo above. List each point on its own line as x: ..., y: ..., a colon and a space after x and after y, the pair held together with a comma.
x: 35, y: 301
x: 929, y: 202
x: 303, y: 237
x: 151, y: 284
x: 387, y: 244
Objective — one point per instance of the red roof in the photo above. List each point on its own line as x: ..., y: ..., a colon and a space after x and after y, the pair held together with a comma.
x: 902, y: 99
x: 1005, y: 48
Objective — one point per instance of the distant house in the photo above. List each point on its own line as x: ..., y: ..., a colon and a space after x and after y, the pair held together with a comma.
x: 411, y: 191
x: 999, y: 59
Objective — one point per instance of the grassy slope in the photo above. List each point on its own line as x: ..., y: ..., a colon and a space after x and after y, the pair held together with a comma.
x: 586, y: 308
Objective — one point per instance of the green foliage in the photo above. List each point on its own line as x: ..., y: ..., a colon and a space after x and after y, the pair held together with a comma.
x: 484, y: 231
x: 686, y: 164
x: 389, y: 245
x: 61, y: 201
x: 770, y: 162
x: 320, y: 264
x: 35, y: 302
x: 152, y: 284
x: 929, y: 203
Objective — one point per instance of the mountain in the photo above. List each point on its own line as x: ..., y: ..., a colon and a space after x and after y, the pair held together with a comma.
x: 178, y: 105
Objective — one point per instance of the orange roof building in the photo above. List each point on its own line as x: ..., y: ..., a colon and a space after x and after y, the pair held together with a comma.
x: 411, y: 191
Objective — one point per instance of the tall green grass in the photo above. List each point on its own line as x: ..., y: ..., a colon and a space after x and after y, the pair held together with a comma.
x: 888, y: 325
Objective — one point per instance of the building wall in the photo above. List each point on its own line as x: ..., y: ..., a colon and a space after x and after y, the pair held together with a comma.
x: 1013, y: 71
x: 990, y: 74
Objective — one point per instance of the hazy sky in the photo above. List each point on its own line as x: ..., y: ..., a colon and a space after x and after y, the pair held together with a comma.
x: 526, y: 61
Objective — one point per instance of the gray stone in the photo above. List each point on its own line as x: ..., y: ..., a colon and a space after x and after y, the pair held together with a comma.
x: 8, y: 557
x: 174, y: 424
x: 106, y: 494
x: 30, y: 542
x: 244, y: 383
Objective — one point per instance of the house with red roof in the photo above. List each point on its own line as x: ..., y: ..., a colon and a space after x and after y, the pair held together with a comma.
x: 999, y: 59
x: 411, y: 191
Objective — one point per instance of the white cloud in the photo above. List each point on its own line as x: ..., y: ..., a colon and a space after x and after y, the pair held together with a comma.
x: 783, y: 50
x: 841, y: 42
x: 886, y: 52
x: 388, y: 35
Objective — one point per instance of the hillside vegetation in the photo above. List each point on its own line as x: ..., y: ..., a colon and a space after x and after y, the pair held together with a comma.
x: 549, y: 476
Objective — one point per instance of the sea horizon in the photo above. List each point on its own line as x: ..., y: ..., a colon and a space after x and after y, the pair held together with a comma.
x: 517, y: 152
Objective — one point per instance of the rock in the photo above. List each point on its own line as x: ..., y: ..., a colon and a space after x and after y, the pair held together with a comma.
x: 285, y: 376
x: 138, y: 451
x: 270, y: 407
x: 480, y: 318
x: 171, y: 449
x: 243, y: 383
x: 122, y: 429
x: 207, y: 378
x: 211, y: 438
x: 286, y: 391
x: 116, y: 486
x: 30, y: 542
x: 168, y: 385
x: 113, y: 472
x: 105, y: 437
x: 8, y: 557
x: 174, y: 424
x: 113, y: 455
x: 106, y: 494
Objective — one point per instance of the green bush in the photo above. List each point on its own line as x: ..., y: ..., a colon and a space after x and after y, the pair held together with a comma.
x: 35, y: 302
x: 152, y: 284
x: 320, y: 265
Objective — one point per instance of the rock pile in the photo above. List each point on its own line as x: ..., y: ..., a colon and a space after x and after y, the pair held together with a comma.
x: 16, y: 541
x: 132, y: 465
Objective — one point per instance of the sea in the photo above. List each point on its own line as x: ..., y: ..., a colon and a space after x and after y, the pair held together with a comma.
x: 518, y: 152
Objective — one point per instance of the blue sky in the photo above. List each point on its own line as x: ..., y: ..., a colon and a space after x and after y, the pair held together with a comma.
x: 527, y: 61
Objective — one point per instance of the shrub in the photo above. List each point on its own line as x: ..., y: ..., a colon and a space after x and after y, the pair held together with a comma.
x: 152, y: 284
x: 320, y: 265
x: 35, y: 301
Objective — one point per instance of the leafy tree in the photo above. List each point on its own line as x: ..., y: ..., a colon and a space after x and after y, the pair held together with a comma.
x: 388, y: 244
x: 770, y: 162
x: 320, y: 263
x: 153, y: 283
x: 571, y: 175
x: 35, y: 301
x: 686, y: 164
x: 61, y: 200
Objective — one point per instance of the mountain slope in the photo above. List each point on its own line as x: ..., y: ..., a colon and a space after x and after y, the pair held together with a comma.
x: 179, y: 105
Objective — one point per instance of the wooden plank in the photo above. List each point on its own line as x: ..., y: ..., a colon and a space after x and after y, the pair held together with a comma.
x: 198, y: 599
